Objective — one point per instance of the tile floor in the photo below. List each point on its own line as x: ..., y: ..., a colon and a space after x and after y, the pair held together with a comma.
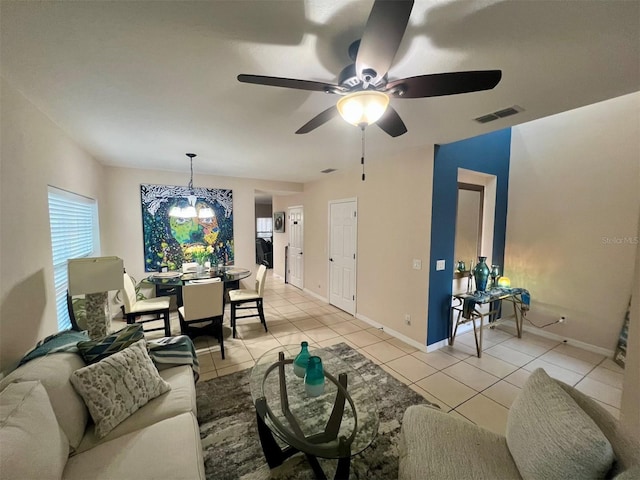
x: 477, y: 389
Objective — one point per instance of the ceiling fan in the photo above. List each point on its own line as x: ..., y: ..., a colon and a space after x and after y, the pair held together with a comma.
x: 364, y: 86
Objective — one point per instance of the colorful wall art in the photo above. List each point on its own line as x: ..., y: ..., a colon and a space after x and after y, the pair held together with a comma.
x: 170, y: 241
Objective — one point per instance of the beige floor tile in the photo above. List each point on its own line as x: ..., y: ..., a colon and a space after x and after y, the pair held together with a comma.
x: 411, y: 368
x: 258, y: 348
x: 279, y: 302
x: 204, y: 376
x: 565, y: 361
x: 330, y: 319
x: 468, y: 339
x: 232, y: 356
x: 405, y: 347
x: 485, y: 413
x: 427, y: 396
x: 288, y: 309
x: 316, y: 311
x: 322, y: 333
x: 579, y: 353
x: 612, y: 410
x: 437, y: 359
x: 518, y: 378
x: 492, y: 365
x: 611, y: 365
x: 601, y: 391
x: 362, y: 339
x: 255, y: 335
x: 205, y: 360
x: 375, y: 360
x: 294, y: 338
x: 567, y: 376
x: 455, y: 414
x: 502, y: 392
x: 378, y: 332
x: 235, y: 368
x: 496, y: 335
x: 525, y: 346
x: 449, y: 390
x: 359, y: 323
x: 607, y: 376
x: 460, y: 351
x: 345, y: 327
x: 308, y: 324
x: 384, y: 351
x: 284, y: 328
x: 471, y: 376
x: 331, y: 341
x: 396, y: 375
x: 509, y: 355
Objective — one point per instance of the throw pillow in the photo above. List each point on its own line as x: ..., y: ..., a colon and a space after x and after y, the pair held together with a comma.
x: 116, y: 387
x: 551, y: 437
x: 32, y: 444
x: 93, y: 351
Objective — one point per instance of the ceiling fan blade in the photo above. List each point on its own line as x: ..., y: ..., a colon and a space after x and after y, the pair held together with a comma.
x: 439, y: 84
x: 288, y: 83
x: 382, y: 36
x: 391, y: 123
x: 318, y: 120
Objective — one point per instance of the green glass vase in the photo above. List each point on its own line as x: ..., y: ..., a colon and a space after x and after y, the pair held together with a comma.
x: 314, y: 378
x: 481, y: 273
x: 301, y: 360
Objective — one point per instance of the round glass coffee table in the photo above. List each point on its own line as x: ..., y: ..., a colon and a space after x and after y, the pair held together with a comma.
x: 338, y: 424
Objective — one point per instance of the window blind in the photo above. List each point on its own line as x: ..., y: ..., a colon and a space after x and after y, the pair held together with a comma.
x: 264, y: 227
x: 73, y: 234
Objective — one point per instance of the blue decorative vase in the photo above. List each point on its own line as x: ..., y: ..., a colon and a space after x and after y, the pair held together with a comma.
x: 301, y: 360
x: 461, y: 267
x: 314, y: 378
x: 481, y: 273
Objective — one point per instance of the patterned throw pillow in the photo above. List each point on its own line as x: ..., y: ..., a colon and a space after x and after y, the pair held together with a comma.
x: 95, y: 350
x: 116, y: 387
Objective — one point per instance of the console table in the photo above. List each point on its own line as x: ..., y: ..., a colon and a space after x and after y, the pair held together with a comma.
x: 466, y: 310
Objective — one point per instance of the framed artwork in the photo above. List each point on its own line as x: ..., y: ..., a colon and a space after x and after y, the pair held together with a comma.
x: 278, y: 222
x: 170, y: 241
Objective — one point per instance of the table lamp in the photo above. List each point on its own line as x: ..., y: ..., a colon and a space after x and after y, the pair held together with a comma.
x: 95, y: 277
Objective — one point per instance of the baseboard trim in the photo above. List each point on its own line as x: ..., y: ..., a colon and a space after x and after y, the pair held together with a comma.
x: 393, y: 333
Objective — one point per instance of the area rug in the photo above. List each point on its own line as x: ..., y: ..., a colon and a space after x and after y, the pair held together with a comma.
x: 232, y: 447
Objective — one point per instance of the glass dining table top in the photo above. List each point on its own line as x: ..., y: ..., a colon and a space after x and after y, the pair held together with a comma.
x: 227, y: 274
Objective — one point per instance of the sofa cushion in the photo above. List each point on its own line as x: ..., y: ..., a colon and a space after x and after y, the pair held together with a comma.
x: 53, y: 371
x: 551, y: 437
x: 180, y: 399
x: 93, y: 351
x: 117, y: 386
x: 170, y: 449
x: 32, y: 444
x: 436, y: 445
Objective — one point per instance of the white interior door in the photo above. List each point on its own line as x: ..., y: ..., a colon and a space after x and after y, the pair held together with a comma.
x: 296, y: 242
x: 343, y: 223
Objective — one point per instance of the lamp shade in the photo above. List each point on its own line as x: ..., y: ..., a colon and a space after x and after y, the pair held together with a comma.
x: 364, y: 107
x: 95, y: 275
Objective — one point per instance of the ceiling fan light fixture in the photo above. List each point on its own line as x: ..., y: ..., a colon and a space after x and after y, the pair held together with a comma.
x: 363, y: 108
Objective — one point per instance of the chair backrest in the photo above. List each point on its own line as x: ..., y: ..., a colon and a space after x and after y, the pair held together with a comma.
x: 129, y: 293
x: 203, y: 300
x: 260, y: 279
x: 186, y: 266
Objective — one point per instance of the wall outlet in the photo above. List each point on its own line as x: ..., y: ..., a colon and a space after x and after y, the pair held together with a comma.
x: 417, y: 264
x: 562, y: 319
x: 407, y: 319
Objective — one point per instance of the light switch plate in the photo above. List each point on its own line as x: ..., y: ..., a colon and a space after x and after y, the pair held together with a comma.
x: 417, y: 264
x: 440, y: 264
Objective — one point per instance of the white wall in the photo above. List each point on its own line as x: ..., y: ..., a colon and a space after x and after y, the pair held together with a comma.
x: 574, y: 198
x: 35, y: 153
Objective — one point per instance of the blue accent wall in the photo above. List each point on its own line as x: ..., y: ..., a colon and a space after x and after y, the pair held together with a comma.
x: 489, y: 153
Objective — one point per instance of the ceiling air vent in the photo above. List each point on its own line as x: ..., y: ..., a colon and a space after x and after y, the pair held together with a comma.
x: 505, y: 112
x: 328, y: 170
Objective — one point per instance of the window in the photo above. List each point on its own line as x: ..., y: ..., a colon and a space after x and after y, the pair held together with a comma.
x: 74, y: 234
x: 264, y: 228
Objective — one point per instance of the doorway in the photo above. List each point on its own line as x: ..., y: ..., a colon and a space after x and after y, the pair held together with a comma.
x: 343, y: 244
x: 296, y: 243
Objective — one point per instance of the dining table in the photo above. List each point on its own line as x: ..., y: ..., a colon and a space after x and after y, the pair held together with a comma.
x: 170, y: 283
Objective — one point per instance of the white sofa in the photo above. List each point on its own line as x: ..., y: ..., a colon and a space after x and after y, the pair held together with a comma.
x: 161, y: 440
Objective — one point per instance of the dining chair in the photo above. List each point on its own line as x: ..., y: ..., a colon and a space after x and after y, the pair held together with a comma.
x: 242, y: 296
x: 134, y: 308
x: 203, y: 301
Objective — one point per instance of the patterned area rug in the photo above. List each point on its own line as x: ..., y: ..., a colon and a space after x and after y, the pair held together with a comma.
x: 232, y: 447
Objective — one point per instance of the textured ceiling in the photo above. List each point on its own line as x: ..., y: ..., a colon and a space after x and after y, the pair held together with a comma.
x: 138, y: 84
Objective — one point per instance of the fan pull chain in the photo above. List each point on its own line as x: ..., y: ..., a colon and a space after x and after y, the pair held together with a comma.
x: 362, y: 157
